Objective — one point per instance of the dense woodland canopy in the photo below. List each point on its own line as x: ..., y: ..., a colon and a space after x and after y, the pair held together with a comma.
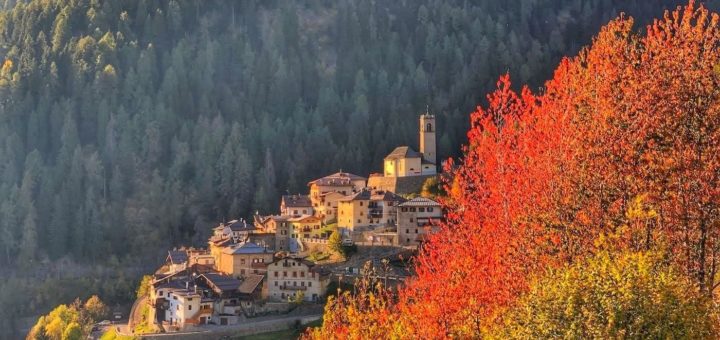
x: 130, y: 126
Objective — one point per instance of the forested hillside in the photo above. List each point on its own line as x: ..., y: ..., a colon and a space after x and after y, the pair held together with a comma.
x: 130, y: 126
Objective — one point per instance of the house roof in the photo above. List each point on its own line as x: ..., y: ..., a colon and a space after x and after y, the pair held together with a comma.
x: 299, y: 260
x: 222, y: 241
x: 177, y: 256
x: 292, y: 201
x: 245, y: 248
x: 403, y: 152
x: 223, y: 283
x: 362, y: 195
x: 420, y: 202
x: 236, y: 226
x: 337, y: 179
x: 373, y: 195
x: 384, y: 195
x: 250, y: 283
x: 302, y: 218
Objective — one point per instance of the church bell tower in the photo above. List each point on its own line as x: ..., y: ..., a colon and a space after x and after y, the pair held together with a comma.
x: 427, y: 137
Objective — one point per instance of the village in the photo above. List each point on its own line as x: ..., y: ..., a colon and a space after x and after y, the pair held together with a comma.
x: 273, y: 263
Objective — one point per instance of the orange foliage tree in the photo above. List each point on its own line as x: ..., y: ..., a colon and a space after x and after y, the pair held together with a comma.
x: 620, y: 150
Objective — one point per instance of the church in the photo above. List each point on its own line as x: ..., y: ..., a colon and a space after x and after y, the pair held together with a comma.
x: 404, y: 169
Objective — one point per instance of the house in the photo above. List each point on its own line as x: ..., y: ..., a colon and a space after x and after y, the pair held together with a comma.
x: 367, y: 209
x: 326, y: 205
x: 184, y: 308
x: 306, y: 226
x: 176, y: 260
x: 238, y: 230
x: 242, y: 259
x: 287, y: 277
x: 179, y: 302
x: 200, y: 257
x: 324, y: 192
x: 282, y: 230
x: 416, y: 218
x: 404, y: 162
x: 295, y: 205
x: 226, y: 298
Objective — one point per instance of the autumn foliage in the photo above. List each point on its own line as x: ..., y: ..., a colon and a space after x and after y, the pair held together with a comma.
x: 618, y: 152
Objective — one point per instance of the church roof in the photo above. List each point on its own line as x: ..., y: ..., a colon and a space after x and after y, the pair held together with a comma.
x: 403, y: 152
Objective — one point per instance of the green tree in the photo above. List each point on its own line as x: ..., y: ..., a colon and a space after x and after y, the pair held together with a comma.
x: 145, y: 286
x: 95, y: 309
x: 335, y: 242
x: 73, y: 331
x: 28, y: 244
x: 629, y: 296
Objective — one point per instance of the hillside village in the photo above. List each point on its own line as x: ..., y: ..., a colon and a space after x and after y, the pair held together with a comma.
x: 268, y: 265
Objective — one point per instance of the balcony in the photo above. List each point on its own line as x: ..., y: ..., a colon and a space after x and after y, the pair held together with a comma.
x: 288, y: 287
x: 375, y: 213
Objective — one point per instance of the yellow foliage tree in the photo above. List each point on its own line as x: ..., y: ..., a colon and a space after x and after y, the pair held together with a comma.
x: 625, y: 296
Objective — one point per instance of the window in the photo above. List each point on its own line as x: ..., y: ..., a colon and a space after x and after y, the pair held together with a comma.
x: 189, y: 307
x: 295, y: 212
x: 407, y: 231
x: 361, y: 213
x: 284, y: 274
x: 430, y: 209
x: 358, y: 220
x: 312, y: 275
x: 416, y: 231
x: 242, y: 261
x: 309, y: 283
x: 294, y: 273
x: 421, y: 209
x: 302, y: 283
x: 302, y: 274
x: 295, y: 283
x: 403, y: 209
x: 408, y: 240
x: 276, y: 274
x: 177, y: 307
x: 411, y: 220
x: 361, y: 204
x: 412, y: 209
x: 276, y: 283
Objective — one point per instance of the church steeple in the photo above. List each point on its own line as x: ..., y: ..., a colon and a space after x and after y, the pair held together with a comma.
x: 427, y: 137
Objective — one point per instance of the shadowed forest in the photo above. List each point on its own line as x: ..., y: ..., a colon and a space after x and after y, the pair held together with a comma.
x: 127, y: 127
